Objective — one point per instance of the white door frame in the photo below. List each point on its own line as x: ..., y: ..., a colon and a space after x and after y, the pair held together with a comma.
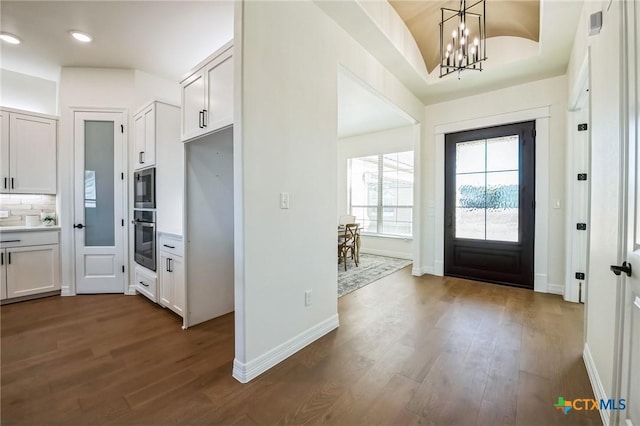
x: 541, y: 116
x: 122, y: 200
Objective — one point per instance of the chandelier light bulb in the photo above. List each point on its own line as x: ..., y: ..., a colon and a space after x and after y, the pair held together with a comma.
x: 462, y: 40
x: 473, y: 50
x: 476, y: 41
x: 466, y: 31
x: 453, y: 33
x: 447, y: 55
x: 459, y: 56
x: 462, y: 25
x: 448, y: 48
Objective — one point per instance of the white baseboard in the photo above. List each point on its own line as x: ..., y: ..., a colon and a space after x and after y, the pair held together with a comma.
x: 555, y: 289
x: 245, y: 372
x: 388, y: 253
x: 596, y: 384
x: 131, y: 290
x: 540, y: 283
x: 419, y: 271
x: 438, y: 268
x: 66, y: 291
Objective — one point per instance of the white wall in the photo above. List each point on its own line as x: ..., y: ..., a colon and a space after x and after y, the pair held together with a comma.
x: 289, y: 144
x: 28, y: 93
x: 550, y: 92
x: 384, y: 142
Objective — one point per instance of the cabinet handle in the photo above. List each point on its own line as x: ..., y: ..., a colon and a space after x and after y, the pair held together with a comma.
x: 169, y: 265
x: 200, y: 119
x: 12, y: 186
x: 9, y: 256
x: 10, y: 241
x: 1, y: 258
x: 168, y: 246
x: 5, y: 182
x: 204, y: 118
x: 140, y: 157
x: 146, y: 285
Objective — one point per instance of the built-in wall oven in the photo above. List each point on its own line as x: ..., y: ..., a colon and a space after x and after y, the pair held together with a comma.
x: 144, y: 188
x: 144, y: 223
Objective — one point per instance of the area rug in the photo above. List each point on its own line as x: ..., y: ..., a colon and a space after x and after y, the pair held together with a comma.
x: 370, y: 268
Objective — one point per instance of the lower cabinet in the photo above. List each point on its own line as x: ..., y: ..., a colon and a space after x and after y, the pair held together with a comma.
x: 171, y: 274
x: 27, y: 269
x: 146, y: 283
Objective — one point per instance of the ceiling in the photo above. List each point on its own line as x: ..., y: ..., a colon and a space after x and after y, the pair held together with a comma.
x: 503, y: 18
x: 165, y: 38
x: 168, y: 38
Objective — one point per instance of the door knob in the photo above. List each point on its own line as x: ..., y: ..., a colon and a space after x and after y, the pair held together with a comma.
x: 626, y: 268
x: 79, y: 226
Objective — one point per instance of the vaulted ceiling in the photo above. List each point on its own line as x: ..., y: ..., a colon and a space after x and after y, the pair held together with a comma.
x: 519, y: 18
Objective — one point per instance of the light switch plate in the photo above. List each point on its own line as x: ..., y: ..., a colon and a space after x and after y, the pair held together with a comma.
x: 284, y: 200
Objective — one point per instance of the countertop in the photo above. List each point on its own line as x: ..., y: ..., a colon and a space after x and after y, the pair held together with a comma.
x: 24, y: 228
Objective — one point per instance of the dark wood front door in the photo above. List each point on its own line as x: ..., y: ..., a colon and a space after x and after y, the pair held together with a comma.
x: 490, y: 204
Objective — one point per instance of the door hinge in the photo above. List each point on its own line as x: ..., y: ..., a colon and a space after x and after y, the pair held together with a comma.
x: 123, y: 268
x: 579, y: 275
x: 122, y: 128
x: 582, y: 176
x: 582, y: 127
x: 581, y: 226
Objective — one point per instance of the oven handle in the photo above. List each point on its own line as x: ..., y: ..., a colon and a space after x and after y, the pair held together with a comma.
x: 141, y: 223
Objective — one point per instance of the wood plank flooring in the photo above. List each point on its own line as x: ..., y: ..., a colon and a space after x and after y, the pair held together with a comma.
x: 409, y: 350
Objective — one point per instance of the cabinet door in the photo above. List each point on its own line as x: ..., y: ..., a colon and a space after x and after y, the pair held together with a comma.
x: 177, y: 270
x: 145, y: 138
x: 4, y: 152
x: 32, y: 270
x: 3, y: 275
x: 32, y: 154
x: 219, y: 92
x: 193, y: 94
x: 166, y: 280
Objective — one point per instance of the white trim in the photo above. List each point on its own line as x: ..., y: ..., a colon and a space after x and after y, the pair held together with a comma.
x: 541, y: 116
x: 596, y: 383
x: 555, y: 289
x: 494, y: 120
x: 419, y: 271
x: 387, y: 253
x: 66, y: 291
x: 245, y: 372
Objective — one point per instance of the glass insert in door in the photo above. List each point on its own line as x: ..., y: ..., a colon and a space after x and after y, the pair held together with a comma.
x: 99, y: 183
x: 487, y: 177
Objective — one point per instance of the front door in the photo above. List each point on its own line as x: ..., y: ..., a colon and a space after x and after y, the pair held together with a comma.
x: 489, y: 204
x: 99, y: 202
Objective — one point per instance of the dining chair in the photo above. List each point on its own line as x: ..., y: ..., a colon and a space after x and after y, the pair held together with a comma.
x: 345, y: 219
x: 348, y: 242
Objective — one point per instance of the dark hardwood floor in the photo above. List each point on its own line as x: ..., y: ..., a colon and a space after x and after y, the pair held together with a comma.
x: 409, y: 350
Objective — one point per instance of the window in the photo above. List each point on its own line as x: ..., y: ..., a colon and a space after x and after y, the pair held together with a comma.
x: 381, y: 193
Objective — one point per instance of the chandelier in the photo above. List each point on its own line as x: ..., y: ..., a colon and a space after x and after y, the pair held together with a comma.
x: 462, y: 38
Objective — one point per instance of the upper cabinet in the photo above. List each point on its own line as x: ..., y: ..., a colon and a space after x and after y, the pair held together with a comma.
x: 28, y: 153
x: 207, y: 95
x: 145, y: 137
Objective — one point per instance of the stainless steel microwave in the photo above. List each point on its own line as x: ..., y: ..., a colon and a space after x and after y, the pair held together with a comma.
x: 144, y: 188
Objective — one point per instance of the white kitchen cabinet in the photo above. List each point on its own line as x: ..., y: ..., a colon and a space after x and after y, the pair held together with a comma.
x: 207, y: 95
x: 29, y: 147
x: 171, y: 274
x: 30, y: 263
x: 145, y: 137
x: 146, y: 283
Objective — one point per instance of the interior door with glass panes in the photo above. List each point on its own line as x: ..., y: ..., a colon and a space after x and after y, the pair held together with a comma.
x: 489, y: 204
x: 99, y: 202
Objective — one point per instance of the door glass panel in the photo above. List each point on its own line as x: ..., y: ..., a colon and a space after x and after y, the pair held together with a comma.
x: 470, y: 203
x: 487, y: 189
x: 502, y: 206
x: 99, y: 183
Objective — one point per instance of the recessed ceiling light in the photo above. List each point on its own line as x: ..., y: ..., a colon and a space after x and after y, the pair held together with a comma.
x: 80, y: 36
x: 9, y: 38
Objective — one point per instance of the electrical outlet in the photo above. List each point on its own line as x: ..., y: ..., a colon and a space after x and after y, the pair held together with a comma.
x: 4, y: 213
x: 307, y: 298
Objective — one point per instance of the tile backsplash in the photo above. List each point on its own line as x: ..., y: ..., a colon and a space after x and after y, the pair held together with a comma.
x: 21, y: 205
